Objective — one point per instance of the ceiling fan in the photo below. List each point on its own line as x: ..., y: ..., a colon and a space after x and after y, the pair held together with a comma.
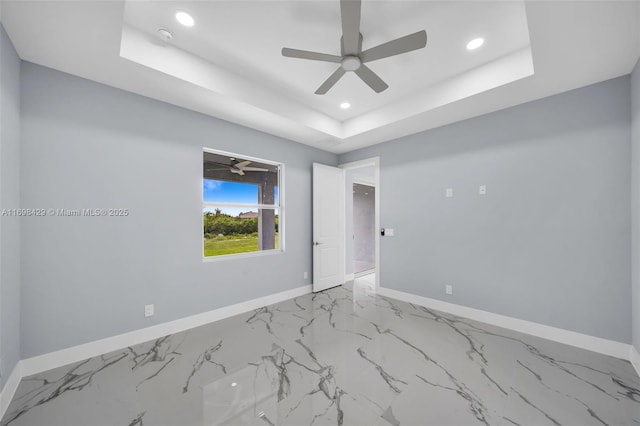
x: 238, y: 167
x: 353, y: 58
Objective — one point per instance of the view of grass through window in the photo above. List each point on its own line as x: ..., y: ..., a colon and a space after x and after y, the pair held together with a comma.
x: 240, y: 210
x: 229, y: 233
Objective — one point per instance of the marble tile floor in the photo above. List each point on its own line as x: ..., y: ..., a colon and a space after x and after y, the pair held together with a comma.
x: 345, y: 356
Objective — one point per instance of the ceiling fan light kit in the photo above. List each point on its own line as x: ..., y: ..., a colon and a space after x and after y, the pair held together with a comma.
x: 353, y: 58
x: 351, y: 63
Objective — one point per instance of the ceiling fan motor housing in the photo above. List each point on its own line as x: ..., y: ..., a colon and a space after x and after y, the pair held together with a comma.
x: 351, y: 63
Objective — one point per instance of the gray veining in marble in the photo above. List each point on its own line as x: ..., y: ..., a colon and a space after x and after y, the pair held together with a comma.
x: 345, y: 356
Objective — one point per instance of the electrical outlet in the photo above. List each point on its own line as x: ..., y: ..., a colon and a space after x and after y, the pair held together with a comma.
x: 448, y: 289
x: 305, y: 275
x: 389, y: 232
x: 449, y: 193
x: 149, y: 310
x: 482, y: 190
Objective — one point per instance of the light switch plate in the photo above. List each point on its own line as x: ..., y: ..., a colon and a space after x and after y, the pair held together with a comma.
x: 388, y: 232
x: 482, y: 190
x: 448, y: 193
x: 149, y: 310
x: 448, y: 289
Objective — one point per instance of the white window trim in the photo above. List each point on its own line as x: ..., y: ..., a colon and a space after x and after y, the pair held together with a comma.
x: 259, y: 206
x: 279, y: 207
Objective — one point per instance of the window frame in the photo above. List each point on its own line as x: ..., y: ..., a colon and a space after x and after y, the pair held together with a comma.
x: 277, y: 207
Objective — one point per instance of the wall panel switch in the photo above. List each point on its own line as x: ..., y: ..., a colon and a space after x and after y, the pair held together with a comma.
x: 448, y: 289
x: 149, y: 310
x: 448, y: 193
x: 482, y: 190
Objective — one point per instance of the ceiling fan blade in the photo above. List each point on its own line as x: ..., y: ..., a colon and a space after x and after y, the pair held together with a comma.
x: 242, y: 164
x: 395, y: 47
x: 314, y: 56
x: 371, y: 78
x: 254, y: 169
x: 350, y: 11
x: 236, y: 171
x: 328, y: 84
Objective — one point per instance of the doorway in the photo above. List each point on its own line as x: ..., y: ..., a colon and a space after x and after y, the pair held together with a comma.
x: 362, y: 219
x: 363, y: 229
x: 333, y: 220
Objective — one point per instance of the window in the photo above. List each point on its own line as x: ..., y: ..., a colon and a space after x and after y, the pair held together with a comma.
x: 242, y: 209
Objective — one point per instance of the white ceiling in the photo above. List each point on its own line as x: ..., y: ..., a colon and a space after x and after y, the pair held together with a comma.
x: 229, y: 64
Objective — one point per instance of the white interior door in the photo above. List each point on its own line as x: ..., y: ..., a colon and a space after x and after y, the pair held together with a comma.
x: 328, y: 226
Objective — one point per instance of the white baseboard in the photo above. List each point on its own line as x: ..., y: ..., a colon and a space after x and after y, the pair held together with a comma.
x: 66, y: 356
x: 634, y: 358
x: 349, y: 277
x: 10, y: 387
x: 584, y: 341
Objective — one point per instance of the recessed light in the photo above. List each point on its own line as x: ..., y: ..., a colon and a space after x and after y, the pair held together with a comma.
x: 185, y: 19
x: 345, y: 105
x: 234, y: 384
x: 475, y: 43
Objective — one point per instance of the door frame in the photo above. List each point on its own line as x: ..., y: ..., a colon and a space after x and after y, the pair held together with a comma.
x: 375, y: 162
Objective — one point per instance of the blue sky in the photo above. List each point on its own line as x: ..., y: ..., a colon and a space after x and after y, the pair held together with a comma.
x: 230, y: 192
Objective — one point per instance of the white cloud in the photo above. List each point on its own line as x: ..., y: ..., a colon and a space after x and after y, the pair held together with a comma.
x: 210, y: 185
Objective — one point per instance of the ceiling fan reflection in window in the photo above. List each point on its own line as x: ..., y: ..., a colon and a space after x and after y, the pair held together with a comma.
x: 237, y: 167
x: 352, y: 57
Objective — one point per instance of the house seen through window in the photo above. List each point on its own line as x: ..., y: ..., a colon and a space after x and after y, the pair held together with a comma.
x: 241, y: 206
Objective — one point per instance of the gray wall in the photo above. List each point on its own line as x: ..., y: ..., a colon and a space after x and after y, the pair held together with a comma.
x: 635, y: 201
x: 550, y: 242
x: 9, y: 198
x: 86, y: 145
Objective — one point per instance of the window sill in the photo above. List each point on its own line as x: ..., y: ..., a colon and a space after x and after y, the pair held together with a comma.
x: 242, y: 255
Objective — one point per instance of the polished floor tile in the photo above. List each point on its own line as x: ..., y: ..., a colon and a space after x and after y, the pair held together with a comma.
x: 345, y: 356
